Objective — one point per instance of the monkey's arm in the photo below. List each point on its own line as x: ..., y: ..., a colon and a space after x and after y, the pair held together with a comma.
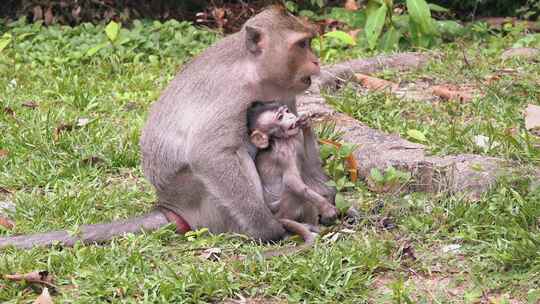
x: 97, y: 233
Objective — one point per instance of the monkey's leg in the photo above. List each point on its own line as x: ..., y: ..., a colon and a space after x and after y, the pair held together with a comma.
x: 295, y: 184
x: 97, y: 233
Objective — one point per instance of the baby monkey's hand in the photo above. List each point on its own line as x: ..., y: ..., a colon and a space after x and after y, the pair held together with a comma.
x: 304, y: 121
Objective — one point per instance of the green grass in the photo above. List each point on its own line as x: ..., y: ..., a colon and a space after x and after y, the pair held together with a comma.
x: 54, y: 186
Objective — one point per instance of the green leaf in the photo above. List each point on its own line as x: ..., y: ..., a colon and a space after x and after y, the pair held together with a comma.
x: 341, y: 203
x: 93, y: 50
x: 401, y: 22
x: 415, y: 134
x: 112, y: 30
x: 438, y: 8
x: 376, y: 175
x: 374, y: 25
x: 420, y: 13
x: 291, y: 6
x: 355, y: 19
x: 341, y: 36
x: 390, y: 39
x: 449, y: 28
x: 5, y: 41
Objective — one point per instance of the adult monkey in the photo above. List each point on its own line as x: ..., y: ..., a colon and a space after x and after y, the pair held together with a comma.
x: 195, y: 142
x: 195, y: 145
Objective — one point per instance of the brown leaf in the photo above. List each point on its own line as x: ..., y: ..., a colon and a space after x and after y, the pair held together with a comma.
x: 6, y: 222
x: 9, y: 111
x: 44, y: 297
x: 5, y: 190
x: 76, y: 12
x: 37, y: 13
x: 212, y: 254
x: 219, y: 16
x: 377, y: 84
x: 532, y: 117
x: 93, y: 160
x: 49, y: 17
x: 351, y: 5
x: 3, y: 153
x: 61, y: 128
x: 447, y: 93
x: 407, y: 252
x: 39, y: 277
x: 81, y: 122
x: 30, y: 104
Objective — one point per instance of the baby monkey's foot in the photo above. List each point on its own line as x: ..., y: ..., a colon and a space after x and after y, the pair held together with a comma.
x: 328, y: 215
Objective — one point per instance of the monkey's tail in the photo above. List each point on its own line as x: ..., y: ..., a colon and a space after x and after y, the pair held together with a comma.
x: 296, y: 228
x: 89, y: 234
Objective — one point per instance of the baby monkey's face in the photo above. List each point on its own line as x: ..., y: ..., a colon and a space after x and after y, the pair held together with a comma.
x: 283, y: 119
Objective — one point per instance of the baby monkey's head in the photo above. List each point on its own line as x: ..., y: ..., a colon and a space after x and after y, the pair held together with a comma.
x: 270, y: 120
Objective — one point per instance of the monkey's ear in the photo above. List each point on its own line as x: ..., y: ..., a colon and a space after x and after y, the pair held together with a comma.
x: 254, y: 39
x: 259, y: 139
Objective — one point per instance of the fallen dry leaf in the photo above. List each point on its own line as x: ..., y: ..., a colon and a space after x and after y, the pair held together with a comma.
x: 9, y: 111
x: 3, y: 153
x: 351, y: 5
x: 377, y: 84
x: 212, y: 254
x: 532, y: 117
x: 5, y: 190
x: 44, y: 297
x: 448, y: 93
x: 37, y: 13
x: 30, y: 104
x: 81, y: 122
x: 6, y: 222
x: 61, y: 128
x: 39, y: 277
x: 48, y: 17
x: 219, y: 16
x: 93, y: 160
x: 354, y: 33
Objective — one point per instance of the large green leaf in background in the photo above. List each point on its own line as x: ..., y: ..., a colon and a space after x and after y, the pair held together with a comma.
x: 374, y: 25
x: 342, y: 37
x: 5, y: 41
x: 390, y: 39
x: 112, y: 30
x: 421, y: 15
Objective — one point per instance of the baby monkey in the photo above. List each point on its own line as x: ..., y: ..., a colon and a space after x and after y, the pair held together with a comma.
x: 280, y: 161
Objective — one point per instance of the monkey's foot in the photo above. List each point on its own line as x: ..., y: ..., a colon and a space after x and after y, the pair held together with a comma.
x: 328, y: 215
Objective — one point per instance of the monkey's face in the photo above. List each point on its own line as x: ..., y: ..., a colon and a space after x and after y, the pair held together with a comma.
x: 278, y: 123
x: 293, y: 63
x: 285, y: 121
x: 281, y: 45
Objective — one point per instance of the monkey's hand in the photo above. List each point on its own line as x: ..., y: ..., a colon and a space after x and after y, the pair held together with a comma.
x: 304, y: 121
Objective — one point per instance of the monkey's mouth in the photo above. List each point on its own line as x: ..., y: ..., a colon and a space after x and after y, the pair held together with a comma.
x: 306, y: 80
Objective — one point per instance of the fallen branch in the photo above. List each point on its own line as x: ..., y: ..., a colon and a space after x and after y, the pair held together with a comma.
x: 469, y: 174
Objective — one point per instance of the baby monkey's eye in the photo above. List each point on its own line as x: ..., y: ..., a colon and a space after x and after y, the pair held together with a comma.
x: 280, y: 116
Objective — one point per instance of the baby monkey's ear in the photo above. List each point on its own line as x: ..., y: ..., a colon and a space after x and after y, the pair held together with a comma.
x: 259, y: 139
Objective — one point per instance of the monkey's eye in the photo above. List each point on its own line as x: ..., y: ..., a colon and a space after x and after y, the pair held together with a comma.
x: 280, y: 116
x: 303, y: 44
